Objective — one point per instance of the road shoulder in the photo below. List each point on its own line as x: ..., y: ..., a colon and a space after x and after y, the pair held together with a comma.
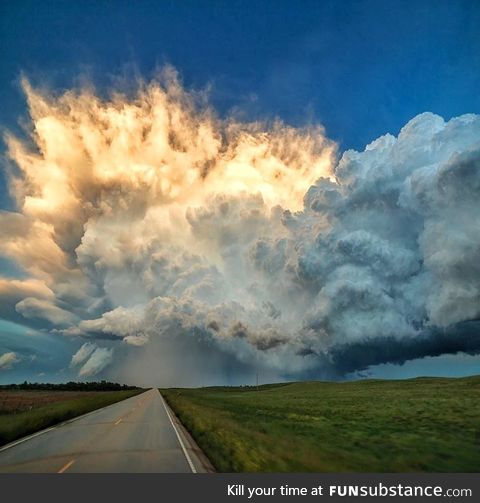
x: 199, y: 459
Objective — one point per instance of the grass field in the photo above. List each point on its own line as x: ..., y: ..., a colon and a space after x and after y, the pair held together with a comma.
x: 13, y: 401
x: 24, y: 412
x: 416, y: 425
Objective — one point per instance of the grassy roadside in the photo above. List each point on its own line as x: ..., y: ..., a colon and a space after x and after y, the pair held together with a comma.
x: 14, y: 426
x: 414, y: 425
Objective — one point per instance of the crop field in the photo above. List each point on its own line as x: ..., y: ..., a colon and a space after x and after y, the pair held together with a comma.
x: 25, y: 411
x: 415, y: 425
x: 13, y: 402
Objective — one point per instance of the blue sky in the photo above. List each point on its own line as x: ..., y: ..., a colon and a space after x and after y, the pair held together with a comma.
x: 360, y: 68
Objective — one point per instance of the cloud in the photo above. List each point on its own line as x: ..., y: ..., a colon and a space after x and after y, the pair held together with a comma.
x: 150, y: 223
x: 13, y: 291
x: 30, y: 307
x: 91, y: 359
x: 8, y: 360
x: 97, y: 361
x: 119, y: 322
x: 83, y: 353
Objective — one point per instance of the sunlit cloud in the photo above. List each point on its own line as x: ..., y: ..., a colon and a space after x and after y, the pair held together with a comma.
x: 8, y: 360
x: 148, y: 222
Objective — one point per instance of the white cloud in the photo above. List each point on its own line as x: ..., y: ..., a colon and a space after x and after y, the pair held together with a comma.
x: 150, y: 220
x: 83, y: 353
x: 8, y: 360
x: 31, y: 307
x: 98, y: 360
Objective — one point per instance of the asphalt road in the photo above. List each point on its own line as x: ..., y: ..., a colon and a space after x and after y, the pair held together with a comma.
x: 135, y: 435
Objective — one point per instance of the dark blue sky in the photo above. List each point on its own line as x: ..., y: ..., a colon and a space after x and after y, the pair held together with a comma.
x: 360, y: 67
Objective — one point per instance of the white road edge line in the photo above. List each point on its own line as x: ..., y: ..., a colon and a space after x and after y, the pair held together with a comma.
x: 59, y: 425
x: 24, y: 439
x: 67, y: 466
x: 190, y: 462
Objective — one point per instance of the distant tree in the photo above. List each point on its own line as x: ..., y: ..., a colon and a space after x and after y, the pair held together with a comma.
x: 70, y: 386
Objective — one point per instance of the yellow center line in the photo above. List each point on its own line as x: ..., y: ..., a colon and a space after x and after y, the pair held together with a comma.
x: 66, y: 467
x: 118, y: 422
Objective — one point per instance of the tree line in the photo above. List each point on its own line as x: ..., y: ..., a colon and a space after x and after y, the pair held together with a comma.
x: 69, y: 386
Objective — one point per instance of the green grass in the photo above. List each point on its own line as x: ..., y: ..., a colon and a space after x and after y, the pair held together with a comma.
x: 14, y: 426
x: 416, y: 425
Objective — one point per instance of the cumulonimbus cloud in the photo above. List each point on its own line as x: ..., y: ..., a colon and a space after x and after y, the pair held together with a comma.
x: 146, y: 218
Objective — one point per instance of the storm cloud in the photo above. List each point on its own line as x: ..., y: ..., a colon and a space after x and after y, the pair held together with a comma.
x: 154, y: 231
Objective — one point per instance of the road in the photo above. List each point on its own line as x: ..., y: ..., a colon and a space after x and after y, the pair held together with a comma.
x: 135, y: 435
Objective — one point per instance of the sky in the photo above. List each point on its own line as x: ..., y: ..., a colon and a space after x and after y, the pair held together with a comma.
x: 269, y: 97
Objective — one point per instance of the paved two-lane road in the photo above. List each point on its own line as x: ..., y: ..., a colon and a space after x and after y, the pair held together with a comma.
x: 135, y: 435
